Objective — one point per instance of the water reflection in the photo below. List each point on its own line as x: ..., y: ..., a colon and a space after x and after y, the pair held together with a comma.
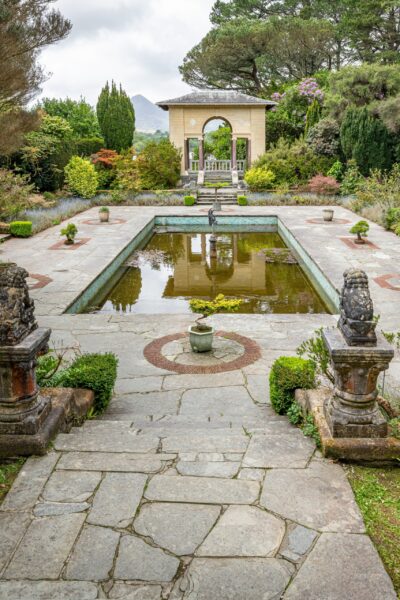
x: 175, y: 267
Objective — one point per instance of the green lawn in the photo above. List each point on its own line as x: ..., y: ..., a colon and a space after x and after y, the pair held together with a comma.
x: 377, y: 491
x: 9, y: 469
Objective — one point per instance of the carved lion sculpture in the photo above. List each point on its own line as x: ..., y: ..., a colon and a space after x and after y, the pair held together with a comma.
x: 356, y: 310
x: 17, y: 318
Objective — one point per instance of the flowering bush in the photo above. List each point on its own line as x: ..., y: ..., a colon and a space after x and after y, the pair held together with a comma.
x: 310, y: 89
x: 259, y: 178
x: 324, y: 138
x: 81, y: 177
x: 320, y: 184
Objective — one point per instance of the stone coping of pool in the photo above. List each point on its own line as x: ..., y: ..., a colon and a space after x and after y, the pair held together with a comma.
x: 199, y: 223
x: 368, y: 450
x: 73, y: 272
x: 153, y: 353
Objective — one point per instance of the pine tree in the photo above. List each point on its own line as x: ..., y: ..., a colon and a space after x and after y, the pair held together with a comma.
x: 116, y: 117
x: 365, y: 139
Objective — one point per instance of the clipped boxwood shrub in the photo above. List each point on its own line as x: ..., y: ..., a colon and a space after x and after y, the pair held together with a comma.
x: 96, y: 372
x: 189, y: 200
x: 287, y: 374
x: 21, y: 228
x: 242, y: 200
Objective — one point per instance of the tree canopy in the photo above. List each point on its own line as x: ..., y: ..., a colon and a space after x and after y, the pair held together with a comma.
x: 256, y: 56
x: 256, y: 44
x: 79, y: 114
x: 26, y: 26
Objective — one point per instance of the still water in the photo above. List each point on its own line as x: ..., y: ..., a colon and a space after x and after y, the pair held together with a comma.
x: 175, y: 267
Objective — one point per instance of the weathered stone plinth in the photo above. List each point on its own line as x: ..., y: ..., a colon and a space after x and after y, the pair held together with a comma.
x: 28, y: 418
x: 361, y: 450
x: 352, y: 411
x: 22, y: 409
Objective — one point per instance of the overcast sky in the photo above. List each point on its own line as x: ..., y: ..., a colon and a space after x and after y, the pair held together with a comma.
x: 139, y: 43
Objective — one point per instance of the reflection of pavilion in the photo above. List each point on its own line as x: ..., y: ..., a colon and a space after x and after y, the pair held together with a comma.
x: 230, y: 271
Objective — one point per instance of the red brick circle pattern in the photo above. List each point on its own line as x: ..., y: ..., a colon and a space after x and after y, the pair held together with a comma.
x: 42, y: 281
x: 152, y: 353
x: 385, y: 281
x: 333, y: 222
x: 98, y: 222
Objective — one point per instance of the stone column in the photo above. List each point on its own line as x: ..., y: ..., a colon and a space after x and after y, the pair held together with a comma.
x: 357, y: 356
x: 248, y: 153
x: 234, y: 154
x: 186, y: 154
x: 201, y: 154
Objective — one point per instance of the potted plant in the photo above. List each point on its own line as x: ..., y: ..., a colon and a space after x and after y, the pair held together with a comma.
x: 70, y: 232
x: 201, y: 334
x: 104, y: 214
x: 361, y: 230
x: 327, y: 214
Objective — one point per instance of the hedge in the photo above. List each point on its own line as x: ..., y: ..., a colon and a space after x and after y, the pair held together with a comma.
x: 189, y: 200
x: 96, y: 372
x: 287, y: 374
x: 21, y: 228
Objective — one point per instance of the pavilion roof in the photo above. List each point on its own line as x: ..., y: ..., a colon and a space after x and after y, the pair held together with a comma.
x: 215, y: 97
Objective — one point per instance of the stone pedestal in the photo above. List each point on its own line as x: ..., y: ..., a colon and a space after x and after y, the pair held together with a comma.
x: 22, y: 409
x: 352, y: 411
x: 28, y: 419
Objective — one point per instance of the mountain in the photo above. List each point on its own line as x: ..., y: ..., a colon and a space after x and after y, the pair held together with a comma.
x: 149, y: 117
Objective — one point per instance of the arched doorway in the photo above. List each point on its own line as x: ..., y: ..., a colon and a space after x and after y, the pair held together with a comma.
x: 218, y: 149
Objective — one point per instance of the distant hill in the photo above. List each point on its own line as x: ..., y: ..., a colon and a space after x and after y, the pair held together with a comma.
x: 149, y: 117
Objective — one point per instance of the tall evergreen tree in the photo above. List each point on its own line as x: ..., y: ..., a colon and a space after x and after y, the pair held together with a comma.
x: 116, y: 117
x: 313, y: 115
x: 365, y: 139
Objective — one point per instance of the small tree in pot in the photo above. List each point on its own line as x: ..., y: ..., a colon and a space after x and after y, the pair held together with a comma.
x: 104, y: 214
x: 201, y: 334
x: 70, y: 232
x: 361, y: 230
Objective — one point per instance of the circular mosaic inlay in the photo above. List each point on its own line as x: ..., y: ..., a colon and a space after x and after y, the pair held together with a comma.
x: 98, y: 222
x: 333, y: 222
x: 230, y: 352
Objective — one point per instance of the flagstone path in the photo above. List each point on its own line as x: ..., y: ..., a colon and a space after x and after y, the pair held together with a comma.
x: 189, y: 487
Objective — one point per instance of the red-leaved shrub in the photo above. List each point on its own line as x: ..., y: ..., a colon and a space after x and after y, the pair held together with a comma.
x: 322, y: 184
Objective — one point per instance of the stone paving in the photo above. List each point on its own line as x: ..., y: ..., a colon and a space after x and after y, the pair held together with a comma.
x: 189, y: 487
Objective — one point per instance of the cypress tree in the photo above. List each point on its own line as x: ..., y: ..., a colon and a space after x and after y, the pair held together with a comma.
x: 313, y: 115
x: 116, y: 117
x: 365, y: 139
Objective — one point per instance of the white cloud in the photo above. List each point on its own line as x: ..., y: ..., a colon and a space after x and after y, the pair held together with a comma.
x: 139, y: 43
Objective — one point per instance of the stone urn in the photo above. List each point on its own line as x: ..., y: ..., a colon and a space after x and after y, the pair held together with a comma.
x: 104, y: 215
x: 327, y: 214
x: 201, y: 341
